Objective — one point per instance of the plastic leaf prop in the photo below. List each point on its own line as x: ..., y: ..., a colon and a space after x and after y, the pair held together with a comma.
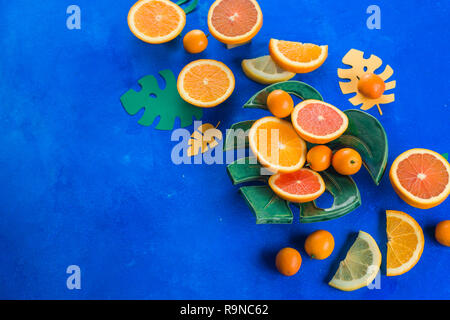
x: 190, y: 7
x: 204, y: 138
x: 163, y: 103
x: 360, y: 66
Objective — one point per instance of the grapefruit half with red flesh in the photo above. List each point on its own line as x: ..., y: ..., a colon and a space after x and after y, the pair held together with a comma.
x: 303, y: 185
x: 421, y: 178
x: 318, y: 122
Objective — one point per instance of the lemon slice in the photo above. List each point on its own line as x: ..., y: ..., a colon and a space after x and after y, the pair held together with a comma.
x: 360, y: 266
x: 265, y: 71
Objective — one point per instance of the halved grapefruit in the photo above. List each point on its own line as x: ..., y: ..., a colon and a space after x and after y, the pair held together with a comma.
x: 421, y: 177
x: 303, y: 185
x: 296, y: 56
x: 276, y: 145
x: 156, y: 21
x: 318, y: 122
x: 234, y: 21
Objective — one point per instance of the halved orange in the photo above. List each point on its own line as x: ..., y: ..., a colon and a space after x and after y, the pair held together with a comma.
x: 405, y: 242
x: 156, y: 21
x: 276, y: 145
x: 205, y: 83
x: 421, y: 177
x: 234, y: 21
x: 318, y: 122
x: 296, y: 56
x: 303, y: 185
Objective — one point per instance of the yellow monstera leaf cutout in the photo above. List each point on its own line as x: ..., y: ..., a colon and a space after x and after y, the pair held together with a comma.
x: 359, y: 66
x: 204, y: 138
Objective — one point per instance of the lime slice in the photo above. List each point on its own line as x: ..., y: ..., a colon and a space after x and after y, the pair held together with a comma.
x: 265, y: 71
x: 360, y: 266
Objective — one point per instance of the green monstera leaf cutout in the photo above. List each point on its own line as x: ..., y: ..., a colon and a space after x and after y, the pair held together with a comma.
x: 346, y: 199
x: 237, y: 136
x: 190, y: 7
x: 366, y: 135
x: 297, y: 88
x: 163, y: 103
x: 343, y: 189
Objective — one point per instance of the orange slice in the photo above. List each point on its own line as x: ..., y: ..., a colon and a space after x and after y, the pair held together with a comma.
x: 156, y: 21
x: 276, y: 145
x: 405, y: 242
x: 303, y: 185
x: 318, y: 122
x: 234, y: 21
x: 421, y: 178
x: 205, y: 83
x: 296, y: 56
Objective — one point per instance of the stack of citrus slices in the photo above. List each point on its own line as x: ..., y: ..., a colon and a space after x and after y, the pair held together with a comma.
x: 280, y: 146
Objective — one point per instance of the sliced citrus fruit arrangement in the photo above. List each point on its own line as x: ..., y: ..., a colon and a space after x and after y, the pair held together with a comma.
x: 300, y: 186
x: 421, y: 178
x: 276, y: 145
x: 360, y: 266
x: 318, y: 122
x: 205, y: 83
x: 234, y: 21
x: 405, y: 242
x: 296, y: 56
x: 156, y: 21
x: 264, y: 70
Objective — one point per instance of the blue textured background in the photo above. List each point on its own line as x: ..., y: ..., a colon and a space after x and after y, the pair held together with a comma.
x: 82, y: 183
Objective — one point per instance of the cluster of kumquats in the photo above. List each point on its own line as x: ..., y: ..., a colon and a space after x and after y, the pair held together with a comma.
x: 207, y: 83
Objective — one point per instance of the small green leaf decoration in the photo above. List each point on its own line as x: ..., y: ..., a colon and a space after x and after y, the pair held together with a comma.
x: 297, y: 88
x: 166, y: 103
x: 190, y: 7
x: 231, y: 139
x: 245, y: 170
x: 346, y: 199
x: 366, y: 135
x: 445, y: 155
x: 266, y: 205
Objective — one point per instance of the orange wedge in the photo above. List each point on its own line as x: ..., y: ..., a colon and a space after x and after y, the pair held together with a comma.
x: 156, y: 21
x: 276, y: 145
x: 205, y: 83
x: 303, y: 185
x: 297, y: 57
x: 318, y: 122
x: 421, y: 177
x: 234, y: 21
x: 405, y: 242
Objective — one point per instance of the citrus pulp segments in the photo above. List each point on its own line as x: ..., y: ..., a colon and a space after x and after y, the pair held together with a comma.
x: 360, y: 266
x: 304, y: 177
x: 220, y: 5
x: 409, y: 197
x: 306, y: 106
x: 284, y: 62
x: 264, y: 70
x: 398, y: 226
x: 291, y: 141
x: 221, y: 73
x: 172, y: 10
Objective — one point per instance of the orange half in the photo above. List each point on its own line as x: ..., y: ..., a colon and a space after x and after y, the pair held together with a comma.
x: 421, y: 177
x: 234, y: 21
x: 405, y: 242
x: 318, y: 122
x: 276, y: 145
x: 156, y: 21
x: 303, y: 185
x: 205, y: 83
x: 297, y: 57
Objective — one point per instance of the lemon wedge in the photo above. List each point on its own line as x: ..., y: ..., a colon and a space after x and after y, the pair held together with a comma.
x: 264, y: 70
x: 360, y: 266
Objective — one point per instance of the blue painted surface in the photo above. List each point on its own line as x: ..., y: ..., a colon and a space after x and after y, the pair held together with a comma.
x: 82, y: 183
